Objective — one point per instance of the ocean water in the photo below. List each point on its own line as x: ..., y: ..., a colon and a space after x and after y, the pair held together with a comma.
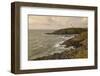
x: 42, y: 44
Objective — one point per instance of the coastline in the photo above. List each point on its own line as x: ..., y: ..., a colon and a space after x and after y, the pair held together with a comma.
x: 74, y: 47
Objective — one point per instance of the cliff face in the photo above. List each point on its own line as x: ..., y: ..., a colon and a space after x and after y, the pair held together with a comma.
x: 78, y: 41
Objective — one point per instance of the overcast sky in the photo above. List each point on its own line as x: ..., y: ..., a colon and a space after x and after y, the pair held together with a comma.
x: 56, y: 22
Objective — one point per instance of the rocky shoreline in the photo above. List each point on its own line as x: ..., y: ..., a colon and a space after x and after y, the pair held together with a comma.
x: 79, y: 42
x: 72, y: 54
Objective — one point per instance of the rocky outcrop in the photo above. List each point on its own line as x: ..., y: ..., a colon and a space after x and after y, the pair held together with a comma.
x: 78, y: 41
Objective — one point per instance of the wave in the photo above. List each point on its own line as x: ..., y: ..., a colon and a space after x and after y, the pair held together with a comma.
x: 60, y: 46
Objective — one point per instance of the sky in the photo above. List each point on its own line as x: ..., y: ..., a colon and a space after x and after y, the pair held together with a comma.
x: 56, y: 22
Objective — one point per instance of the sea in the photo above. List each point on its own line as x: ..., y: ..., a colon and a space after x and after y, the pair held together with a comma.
x: 42, y: 44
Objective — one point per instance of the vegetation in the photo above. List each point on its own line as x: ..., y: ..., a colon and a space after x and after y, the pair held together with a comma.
x: 69, y: 31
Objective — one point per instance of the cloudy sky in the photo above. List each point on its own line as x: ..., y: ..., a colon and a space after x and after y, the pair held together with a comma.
x: 56, y: 22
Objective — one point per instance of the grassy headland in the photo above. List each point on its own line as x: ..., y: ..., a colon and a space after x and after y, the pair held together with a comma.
x: 69, y: 31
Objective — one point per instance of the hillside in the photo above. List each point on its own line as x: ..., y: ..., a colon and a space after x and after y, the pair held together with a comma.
x: 69, y: 31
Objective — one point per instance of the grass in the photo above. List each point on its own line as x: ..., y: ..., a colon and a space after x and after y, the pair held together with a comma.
x: 69, y: 31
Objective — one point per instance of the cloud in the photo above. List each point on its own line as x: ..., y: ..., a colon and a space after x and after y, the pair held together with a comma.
x: 56, y: 22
